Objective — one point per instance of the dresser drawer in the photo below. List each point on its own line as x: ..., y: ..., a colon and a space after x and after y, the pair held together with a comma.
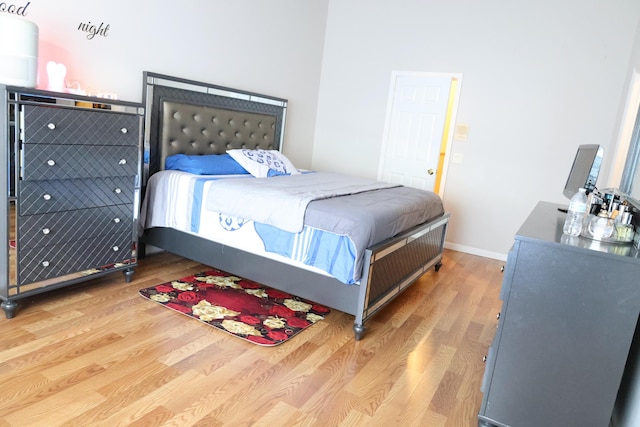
x: 46, y: 262
x: 38, y: 197
x: 78, y: 161
x: 61, y: 227
x: 58, y: 125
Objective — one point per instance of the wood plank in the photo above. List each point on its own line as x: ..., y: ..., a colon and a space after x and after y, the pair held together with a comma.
x: 97, y: 353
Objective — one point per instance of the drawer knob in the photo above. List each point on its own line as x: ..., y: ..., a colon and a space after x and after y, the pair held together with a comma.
x: 51, y: 126
x: 46, y: 231
x: 122, y: 162
x: 51, y: 162
x: 124, y: 130
x: 498, y: 316
x: 116, y: 220
x: 47, y: 197
x: 45, y: 263
x: 117, y: 191
x: 116, y: 249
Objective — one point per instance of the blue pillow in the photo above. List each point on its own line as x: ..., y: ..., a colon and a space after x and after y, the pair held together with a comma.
x: 205, y: 164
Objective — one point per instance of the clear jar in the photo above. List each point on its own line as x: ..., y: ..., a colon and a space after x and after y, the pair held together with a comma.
x: 601, y: 226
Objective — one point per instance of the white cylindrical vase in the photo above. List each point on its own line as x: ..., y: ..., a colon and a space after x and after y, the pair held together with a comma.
x: 18, y: 51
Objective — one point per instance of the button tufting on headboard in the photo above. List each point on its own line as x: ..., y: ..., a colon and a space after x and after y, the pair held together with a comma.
x: 196, y: 129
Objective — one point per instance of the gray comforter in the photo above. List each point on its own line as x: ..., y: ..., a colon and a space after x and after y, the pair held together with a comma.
x: 365, y: 210
x: 374, y: 216
x: 282, y: 201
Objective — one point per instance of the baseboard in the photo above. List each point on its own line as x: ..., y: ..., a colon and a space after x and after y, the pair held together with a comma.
x: 475, y: 251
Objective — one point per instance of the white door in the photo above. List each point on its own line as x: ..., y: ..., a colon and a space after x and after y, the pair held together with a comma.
x: 414, y: 129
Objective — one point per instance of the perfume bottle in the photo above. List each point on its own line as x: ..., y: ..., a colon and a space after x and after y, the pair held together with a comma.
x: 601, y: 226
x: 624, y: 232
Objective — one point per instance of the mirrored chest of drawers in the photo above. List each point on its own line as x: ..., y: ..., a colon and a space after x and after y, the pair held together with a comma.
x: 70, y: 191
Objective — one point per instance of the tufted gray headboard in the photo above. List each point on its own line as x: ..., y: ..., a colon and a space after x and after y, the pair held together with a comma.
x: 195, y: 129
x: 183, y: 116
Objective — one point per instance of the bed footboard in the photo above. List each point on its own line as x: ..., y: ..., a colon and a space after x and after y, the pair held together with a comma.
x: 393, y: 265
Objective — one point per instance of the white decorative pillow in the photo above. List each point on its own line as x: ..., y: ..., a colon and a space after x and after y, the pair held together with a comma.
x: 263, y: 163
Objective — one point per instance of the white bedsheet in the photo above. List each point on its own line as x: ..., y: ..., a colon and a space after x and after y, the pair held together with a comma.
x: 174, y: 199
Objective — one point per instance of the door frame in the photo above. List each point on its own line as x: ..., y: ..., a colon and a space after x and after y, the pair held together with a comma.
x: 449, y: 124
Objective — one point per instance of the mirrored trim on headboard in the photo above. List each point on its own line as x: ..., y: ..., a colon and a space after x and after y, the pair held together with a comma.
x: 193, y: 98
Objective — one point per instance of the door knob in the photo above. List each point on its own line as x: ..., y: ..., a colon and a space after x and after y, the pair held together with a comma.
x: 430, y: 171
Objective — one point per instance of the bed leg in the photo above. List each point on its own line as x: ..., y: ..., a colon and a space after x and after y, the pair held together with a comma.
x: 128, y: 274
x: 9, y: 306
x: 438, y: 265
x: 359, y: 330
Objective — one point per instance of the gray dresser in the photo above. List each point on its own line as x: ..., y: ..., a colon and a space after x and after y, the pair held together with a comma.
x: 72, y: 188
x: 569, y: 313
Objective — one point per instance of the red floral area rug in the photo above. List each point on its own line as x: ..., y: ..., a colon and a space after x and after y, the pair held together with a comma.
x: 241, y: 307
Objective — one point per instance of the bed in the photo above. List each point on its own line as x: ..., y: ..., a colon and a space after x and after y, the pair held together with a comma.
x: 181, y: 212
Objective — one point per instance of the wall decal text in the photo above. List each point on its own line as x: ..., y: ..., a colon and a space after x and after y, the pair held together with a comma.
x: 14, y: 9
x: 93, y: 30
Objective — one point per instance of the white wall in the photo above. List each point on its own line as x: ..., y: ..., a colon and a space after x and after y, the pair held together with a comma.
x: 539, y: 78
x: 273, y: 47
x: 634, y: 63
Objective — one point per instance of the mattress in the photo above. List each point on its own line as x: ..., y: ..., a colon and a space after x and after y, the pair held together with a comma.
x: 178, y: 200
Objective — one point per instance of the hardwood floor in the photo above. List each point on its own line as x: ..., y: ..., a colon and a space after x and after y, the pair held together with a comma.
x: 98, y: 354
